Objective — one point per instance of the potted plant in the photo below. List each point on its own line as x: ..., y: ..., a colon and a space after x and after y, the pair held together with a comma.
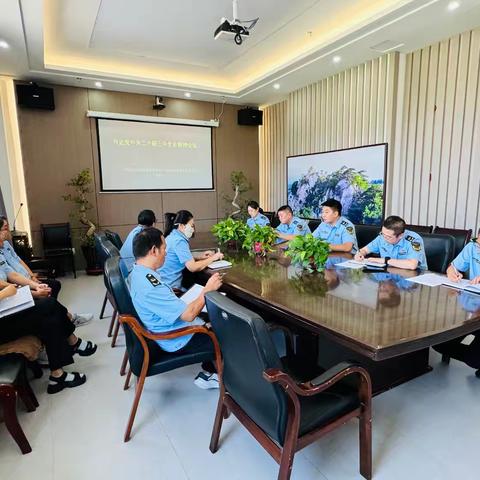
x: 259, y: 240
x: 81, y: 184
x: 309, y: 252
x: 230, y: 231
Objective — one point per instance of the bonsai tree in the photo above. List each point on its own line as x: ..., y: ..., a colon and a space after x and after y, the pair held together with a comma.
x: 309, y: 252
x: 240, y: 185
x: 81, y: 184
x: 230, y: 231
x: 259, y: 240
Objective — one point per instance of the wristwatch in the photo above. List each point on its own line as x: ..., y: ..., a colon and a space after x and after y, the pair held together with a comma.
x: 387, y: 259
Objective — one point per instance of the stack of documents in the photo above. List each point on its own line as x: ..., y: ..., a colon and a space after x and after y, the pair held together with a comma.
x: 20, y: 301
x: 435, y: 280
x: 365, y: 263
x: 220, y: 264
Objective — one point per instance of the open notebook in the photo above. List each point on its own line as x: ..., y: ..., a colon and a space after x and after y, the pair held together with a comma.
x: 20, y: 301
x: 462, y: 285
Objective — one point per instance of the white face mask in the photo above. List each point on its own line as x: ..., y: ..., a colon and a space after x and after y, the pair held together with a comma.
x: 188, y: 231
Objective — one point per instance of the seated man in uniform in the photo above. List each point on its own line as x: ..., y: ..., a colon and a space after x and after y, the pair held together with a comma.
x: 158, y: 307
x: 146, y: 218
x: 290, y: 226
x: 467, y: 262
x: 396, y: 246
x: 338, y: 231
x: 17, y: 272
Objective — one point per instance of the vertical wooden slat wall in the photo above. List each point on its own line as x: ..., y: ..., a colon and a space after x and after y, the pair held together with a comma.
x: 435, y: 177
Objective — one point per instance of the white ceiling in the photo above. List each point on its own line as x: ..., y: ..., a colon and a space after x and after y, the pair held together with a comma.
x: 167, y: 47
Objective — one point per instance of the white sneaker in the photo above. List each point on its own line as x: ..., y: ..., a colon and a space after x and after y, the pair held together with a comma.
x: 80, y: 319
x: 206, y: 380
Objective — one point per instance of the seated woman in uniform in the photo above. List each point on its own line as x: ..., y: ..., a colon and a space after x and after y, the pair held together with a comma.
x: 256, y: 215
x: 179, y: 255
x: 48, y: 320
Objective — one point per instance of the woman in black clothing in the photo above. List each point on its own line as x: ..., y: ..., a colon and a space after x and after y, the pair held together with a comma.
x: 48, y: 320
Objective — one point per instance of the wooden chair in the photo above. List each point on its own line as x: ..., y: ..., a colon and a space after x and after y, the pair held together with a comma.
x: 283, y: 415
x: 145, y: 357
x: 13, y: 384
x: 462, y: 237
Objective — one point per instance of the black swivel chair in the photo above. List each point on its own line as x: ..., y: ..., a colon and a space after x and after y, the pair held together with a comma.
x: 114, y: 237
x: 313, y: 223
x: 273, y: 217
x: 281, y: 413
x: 270, y: 216
x: 366, y: 233
x: 421, y: 229
x: 57, y: 243
x: 144, y: 355
x: 439, y: 250
x: 462, y: 237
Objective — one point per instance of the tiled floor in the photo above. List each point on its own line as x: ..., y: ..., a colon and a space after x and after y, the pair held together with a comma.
x: 426, y: 429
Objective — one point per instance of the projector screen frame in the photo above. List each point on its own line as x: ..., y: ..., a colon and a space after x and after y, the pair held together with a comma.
x: 147, y: 190
x: 385, y: 168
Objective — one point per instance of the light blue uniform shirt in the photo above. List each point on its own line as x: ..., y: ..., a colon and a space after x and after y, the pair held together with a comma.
x: 259, y: 219
x: 468, y: 260
x: 400, y: 282
x: 297, y: 226
x: 157, y: 306
x: 342, y: 232
x: 13, y: 260
x: 469, y: 301
x: 126, y: 252
x: 410, y: 246
x: 3, y: 274
x: 178, y: 254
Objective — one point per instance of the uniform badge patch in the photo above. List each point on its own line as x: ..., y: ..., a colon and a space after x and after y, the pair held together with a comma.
x: 350, y: 230
x: 416, y: 246
x: 153, y: 280
x: 299, y: 227
x: 2, y: 262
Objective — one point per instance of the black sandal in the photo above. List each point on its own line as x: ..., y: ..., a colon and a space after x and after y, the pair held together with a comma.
x: 56, y: 385
x: 90, y: 349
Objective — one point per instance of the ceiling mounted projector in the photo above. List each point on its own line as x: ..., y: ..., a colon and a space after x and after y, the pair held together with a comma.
x: 235, y: 28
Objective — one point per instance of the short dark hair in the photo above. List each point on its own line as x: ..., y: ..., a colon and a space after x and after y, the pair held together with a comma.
x: 146, y: 218
x: 182, y: 218
x: 333, y: 204
x: 286, y: 208
x: 397, y: 224
x: 146, y: 239
x: 3, y: 220
x: 253, y: 204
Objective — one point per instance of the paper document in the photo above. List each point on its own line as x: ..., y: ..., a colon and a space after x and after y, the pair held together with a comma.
x: 362, y: 264
x: 20, y: 301
x: 462, y: 285
x: 429, y: 279
x: 220, y: 264
x: 192, y: 294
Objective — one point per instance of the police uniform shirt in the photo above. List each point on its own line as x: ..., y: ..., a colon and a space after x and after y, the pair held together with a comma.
x: 126, y: 252
x: 178, y: 254
x: 342, y: 232
x: 297, y: 226
x: 13, y: 260
x: 157, y: 306
x: 468, y: 260
x: 469, y: 301
x: 259, y: 219
x: 410, y: 246
x: 3, y: 274
x: 401, y: 282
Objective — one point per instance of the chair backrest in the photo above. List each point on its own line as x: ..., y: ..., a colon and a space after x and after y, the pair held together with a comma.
x: 313, y: 223
x: 366, y: 233
x: 439, y: 250
x: 248, y: 351
x: 273, y: 217
x: 56, y: 236
x: 124, y: 306
x: 270, y: 216
x: 109, y: 249
x: 99, y: 238
x: 114, y: 237
x: 462, y: 237
x: 420, y: 228
x: 168, y: 219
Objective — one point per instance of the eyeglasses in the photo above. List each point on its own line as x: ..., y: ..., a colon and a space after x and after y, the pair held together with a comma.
x: 388, y: 237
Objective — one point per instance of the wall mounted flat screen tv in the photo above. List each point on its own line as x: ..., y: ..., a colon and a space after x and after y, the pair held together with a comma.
x: 354, y: 176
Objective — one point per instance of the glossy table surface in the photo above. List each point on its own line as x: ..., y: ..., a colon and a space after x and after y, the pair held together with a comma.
x: 381, y: 315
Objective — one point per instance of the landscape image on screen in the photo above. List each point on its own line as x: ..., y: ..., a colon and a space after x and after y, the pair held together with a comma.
x: 355, y: 177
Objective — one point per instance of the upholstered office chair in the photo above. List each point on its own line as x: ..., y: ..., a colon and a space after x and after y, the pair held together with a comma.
x: 114, y: 237
x: 57, y: 243
x: 366, y: 233
x: 273, y: 217
x: 462, y: 237
x: 144, y: 355
x: 420, y: 228
x: 439, y: 250
x: 283, y: 415
x: 100, y: 237
x: 270, y: 216
x: 313, y: 223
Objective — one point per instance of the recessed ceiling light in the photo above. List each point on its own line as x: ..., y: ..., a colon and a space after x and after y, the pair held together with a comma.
x: 337, y: 59
x: 188, y: 94
x: 98, y: 84
x: 276, y: 86
x: 453, y: 6
x: 4, y: 44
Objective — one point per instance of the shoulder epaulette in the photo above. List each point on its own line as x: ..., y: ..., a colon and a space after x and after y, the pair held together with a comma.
x: 153, y: 280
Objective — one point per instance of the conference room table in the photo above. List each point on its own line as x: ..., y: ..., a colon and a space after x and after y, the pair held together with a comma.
x: 380, y: 320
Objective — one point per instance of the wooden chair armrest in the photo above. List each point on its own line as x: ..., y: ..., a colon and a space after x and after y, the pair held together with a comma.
x: 323, y: 381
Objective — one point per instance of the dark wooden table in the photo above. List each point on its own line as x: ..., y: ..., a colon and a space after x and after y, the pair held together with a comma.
x: 379, y: 319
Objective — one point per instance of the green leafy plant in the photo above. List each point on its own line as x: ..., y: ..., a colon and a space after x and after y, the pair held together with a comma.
x: 309, y: 252
x: 259, y: 240
x: 81, y: 184
x: 240, y: 185
x: 230, y: 230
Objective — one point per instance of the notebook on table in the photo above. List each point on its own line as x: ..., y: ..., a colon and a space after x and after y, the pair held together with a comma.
x: 220, y: 264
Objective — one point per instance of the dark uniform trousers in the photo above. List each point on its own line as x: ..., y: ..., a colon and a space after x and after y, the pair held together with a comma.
x: 48, y: 321
x: 469, y: 354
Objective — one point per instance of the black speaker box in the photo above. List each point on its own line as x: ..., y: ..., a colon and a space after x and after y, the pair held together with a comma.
x: 33, y: 96
x: 250, y: 116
